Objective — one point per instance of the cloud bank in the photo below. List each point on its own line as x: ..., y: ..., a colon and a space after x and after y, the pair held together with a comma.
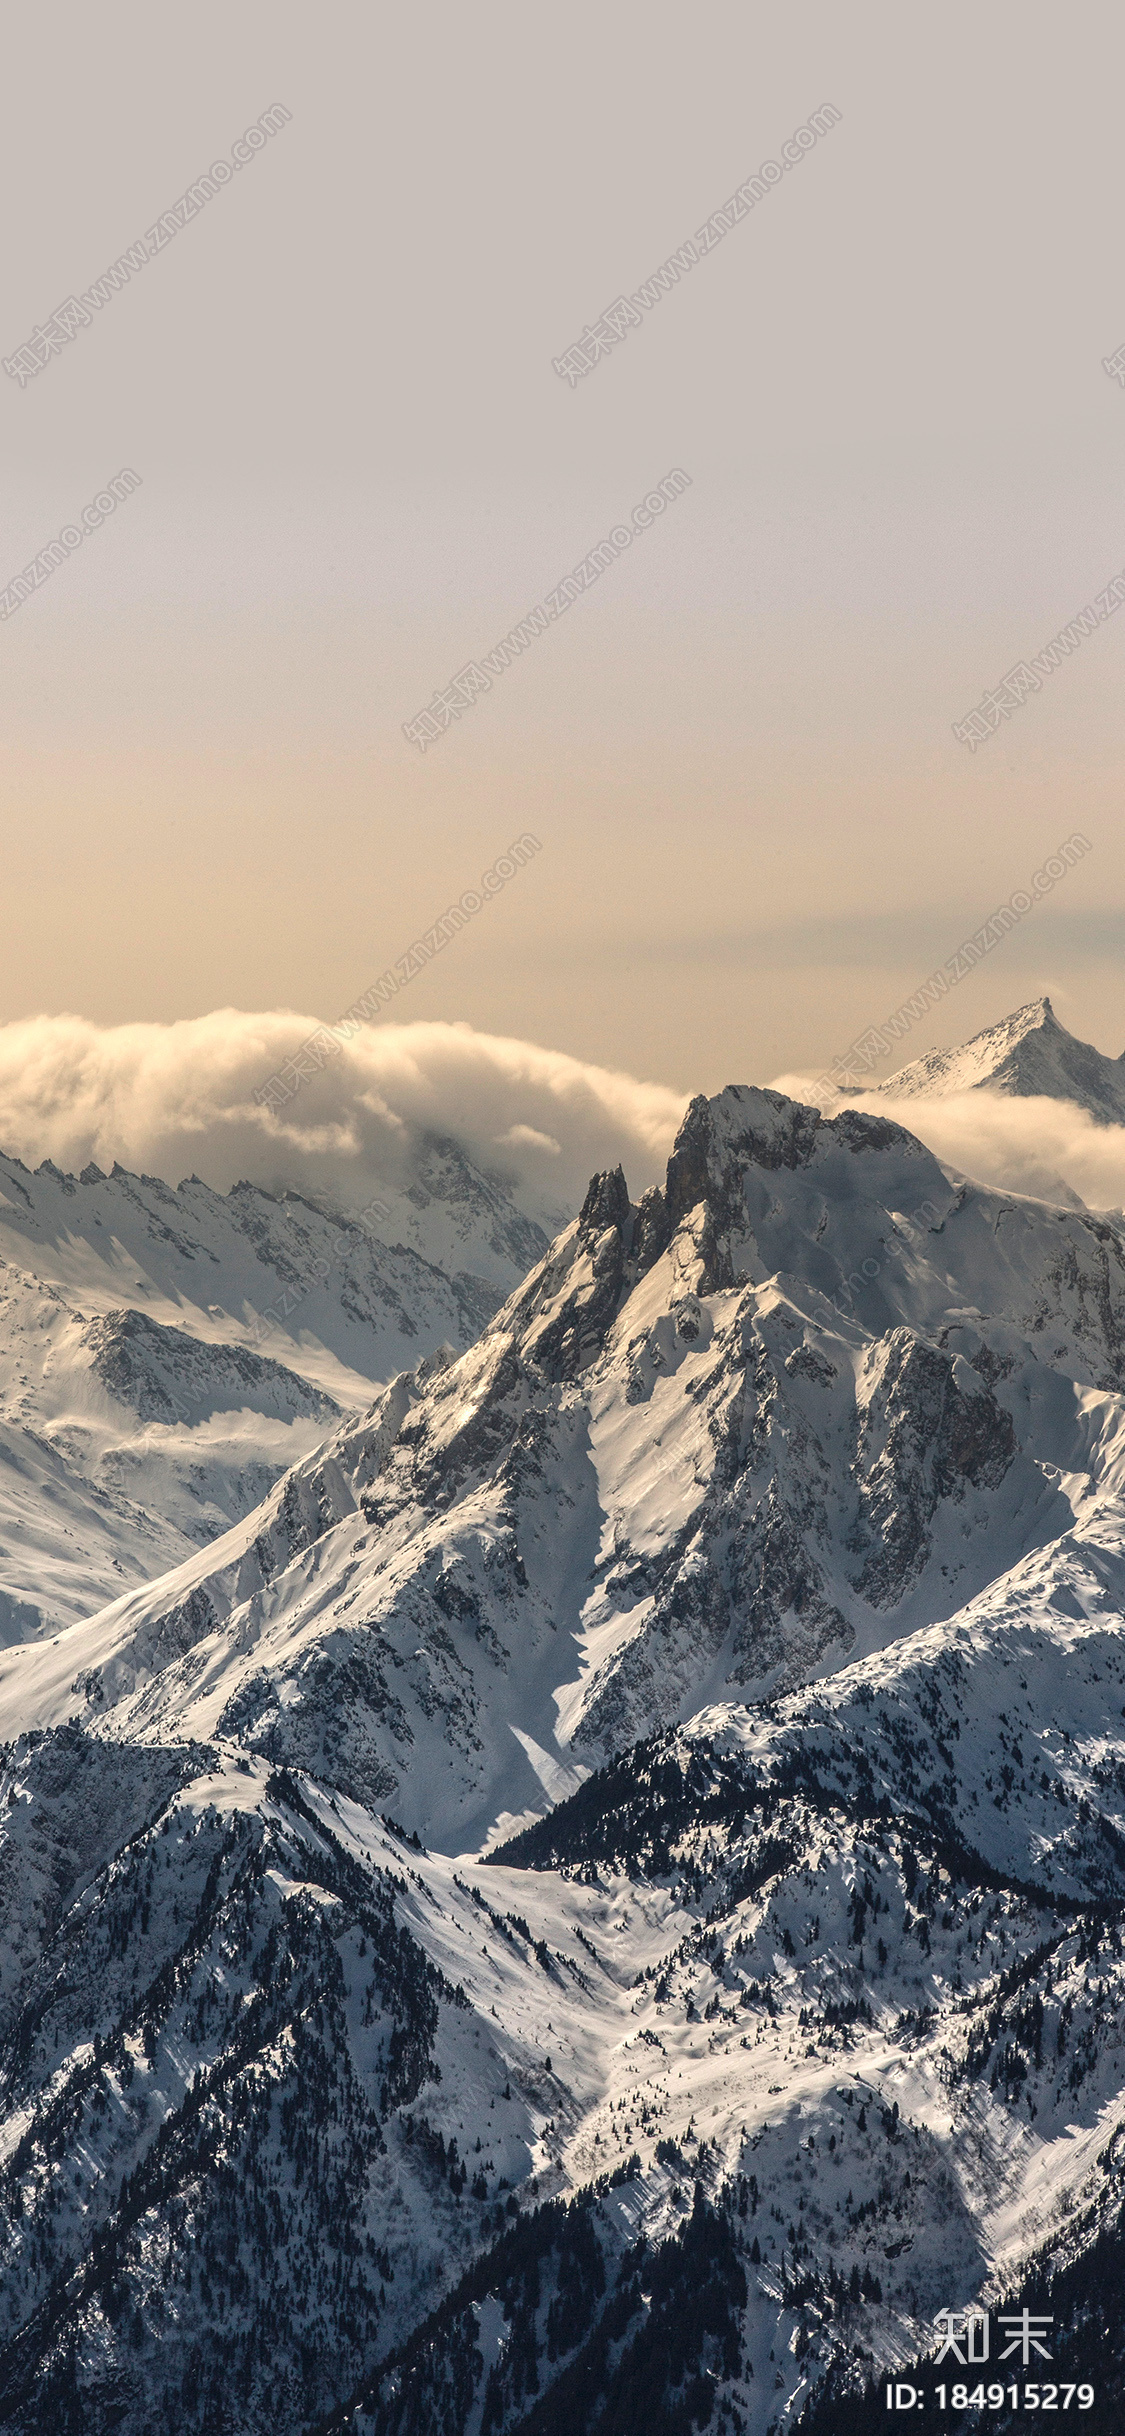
x: 172, y: 1099
x: 1024, y: 1145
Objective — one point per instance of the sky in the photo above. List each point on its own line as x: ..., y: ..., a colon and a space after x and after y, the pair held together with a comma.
x: 358, y: 469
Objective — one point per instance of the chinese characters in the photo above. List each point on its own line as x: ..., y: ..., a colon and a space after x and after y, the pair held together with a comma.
x: 970, y: 2328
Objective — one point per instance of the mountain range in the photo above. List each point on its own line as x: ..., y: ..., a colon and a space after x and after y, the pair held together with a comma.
x: 596, y: 1899
x: 167, y: 1354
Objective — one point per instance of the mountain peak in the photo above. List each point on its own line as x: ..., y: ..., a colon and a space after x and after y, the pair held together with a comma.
x: 1038, y: 1015
x: 606, y: 1203
x: 1029, y: 1054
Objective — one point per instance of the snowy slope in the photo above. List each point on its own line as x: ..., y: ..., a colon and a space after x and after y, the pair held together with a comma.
x: 1031, y: 1055
x: 166, y: 1355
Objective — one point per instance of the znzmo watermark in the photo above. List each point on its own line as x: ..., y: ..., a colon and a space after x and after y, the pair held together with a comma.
x: 477, y: 675
x: 324, y: 1043
x: 1025, y: 2346
x: 69, y: 537
x: 866, y: 1052
x: 77, y: 312
x: 623, y: 315
x: 1027, y: 676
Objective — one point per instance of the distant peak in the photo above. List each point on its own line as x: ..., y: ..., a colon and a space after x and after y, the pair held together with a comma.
x: 1027, y: 1054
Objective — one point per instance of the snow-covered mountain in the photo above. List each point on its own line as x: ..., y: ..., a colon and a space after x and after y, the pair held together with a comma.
x: 808, y: 1397
x: 459, y: 1218
x: 1029, y: 1055
x: 814, y: 2014
x: 165, y: 1355
x: 773, y: 1533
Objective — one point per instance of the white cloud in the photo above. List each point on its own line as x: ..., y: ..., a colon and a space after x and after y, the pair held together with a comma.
x: 1024, y: 1145
x: 172, y: 1098
x: 525, y: 1136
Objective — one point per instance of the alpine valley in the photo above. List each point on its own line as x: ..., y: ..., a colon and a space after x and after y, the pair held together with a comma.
x: 562, y: 1859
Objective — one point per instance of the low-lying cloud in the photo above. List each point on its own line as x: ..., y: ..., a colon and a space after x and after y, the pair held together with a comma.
x: 173, y: 1099
x: 1032, y: 1146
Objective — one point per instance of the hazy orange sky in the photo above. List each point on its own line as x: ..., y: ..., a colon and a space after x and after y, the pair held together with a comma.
x: 358, y: 470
